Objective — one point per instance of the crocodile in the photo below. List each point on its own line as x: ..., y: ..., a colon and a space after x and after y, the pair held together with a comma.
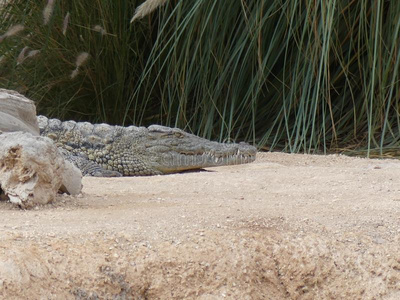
x: 104, y: 150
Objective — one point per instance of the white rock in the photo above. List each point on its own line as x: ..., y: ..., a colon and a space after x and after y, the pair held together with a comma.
x: 31, y: 168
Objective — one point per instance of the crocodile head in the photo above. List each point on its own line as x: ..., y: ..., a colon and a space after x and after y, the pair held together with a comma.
x: 170, y: 150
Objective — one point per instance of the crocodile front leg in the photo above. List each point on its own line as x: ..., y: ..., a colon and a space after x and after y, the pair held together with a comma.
x: 88, y: 167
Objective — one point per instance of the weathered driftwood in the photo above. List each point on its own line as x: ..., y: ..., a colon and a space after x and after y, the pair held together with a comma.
x: 32, y: 169
x: 17, y: 113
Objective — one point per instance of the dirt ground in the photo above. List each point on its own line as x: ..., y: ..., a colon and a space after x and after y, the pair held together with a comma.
x: 284, y: 227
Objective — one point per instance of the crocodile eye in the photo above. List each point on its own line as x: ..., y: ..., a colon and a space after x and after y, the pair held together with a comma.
x: 178, y: 135
x: 52, y: 136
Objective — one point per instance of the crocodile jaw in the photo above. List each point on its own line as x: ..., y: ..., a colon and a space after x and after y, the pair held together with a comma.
x: 176, y: 150
x: 176, y: 162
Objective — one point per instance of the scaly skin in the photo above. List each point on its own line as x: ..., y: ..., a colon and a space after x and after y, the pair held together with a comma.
x: 105, y: 150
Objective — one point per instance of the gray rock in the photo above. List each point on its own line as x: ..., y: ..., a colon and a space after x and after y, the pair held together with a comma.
x: 72, y: 179
x: 17, y: 113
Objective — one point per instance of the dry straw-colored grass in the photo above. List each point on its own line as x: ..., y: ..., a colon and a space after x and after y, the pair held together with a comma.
x: 13, y: 30
x: 48, y: 11
x: 80, y: 60
x: 99, y: 29
x: 146, y: 8
x: 21, y: 55
x: 26, y: 53
x: 65, y: 24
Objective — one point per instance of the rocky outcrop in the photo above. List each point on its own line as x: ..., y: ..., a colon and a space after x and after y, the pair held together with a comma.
x: 32, y: 168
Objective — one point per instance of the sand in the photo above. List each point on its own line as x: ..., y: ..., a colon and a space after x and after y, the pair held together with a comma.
x: 284, y: 227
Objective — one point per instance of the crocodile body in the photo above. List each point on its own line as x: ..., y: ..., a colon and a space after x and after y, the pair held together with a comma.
x: 105, y: 150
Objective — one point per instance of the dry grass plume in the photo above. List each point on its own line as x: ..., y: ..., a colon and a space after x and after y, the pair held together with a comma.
x: 48, y: 11
x: 99, y: 29
x: 80, y: 60
x: 13, y: 30
x: 65, y: 24
x: 146, y: 8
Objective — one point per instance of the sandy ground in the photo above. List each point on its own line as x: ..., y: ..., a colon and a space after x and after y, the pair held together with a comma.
x: 284, y: 227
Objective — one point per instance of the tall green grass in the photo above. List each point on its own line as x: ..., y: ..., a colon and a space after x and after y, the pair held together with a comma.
x: 99, y: 28
x: 299, y: 76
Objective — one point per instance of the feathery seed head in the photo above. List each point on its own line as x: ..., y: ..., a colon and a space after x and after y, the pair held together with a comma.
x: 65, y: 24
x: 99, y: 29
x: 146, y: 8
x: 32, y: 53
x: 21, y: 56
x: 48, y: 11
x: 81, y: 58
x: 13, y: 30
x: 74, y: 73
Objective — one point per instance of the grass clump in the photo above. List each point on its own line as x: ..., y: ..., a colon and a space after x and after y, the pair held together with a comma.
x: 301, y: 76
